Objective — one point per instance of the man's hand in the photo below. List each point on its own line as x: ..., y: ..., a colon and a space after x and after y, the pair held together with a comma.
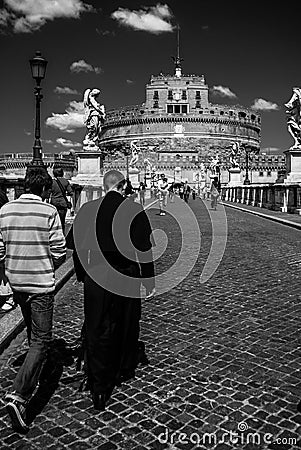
x: 150, y: 293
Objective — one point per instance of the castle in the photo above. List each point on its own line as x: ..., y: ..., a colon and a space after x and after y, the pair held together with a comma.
x: 177, y: 128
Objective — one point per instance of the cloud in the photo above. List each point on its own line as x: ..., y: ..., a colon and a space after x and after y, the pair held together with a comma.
x: 65, y: 91
x: 154, y: 19
x: 70, y: 120
x: 4, y: 17
x: 26, y: 16
x: 264, y: 105
x: 223, y: 91
x: 67, y: 143
x: 83, y: 66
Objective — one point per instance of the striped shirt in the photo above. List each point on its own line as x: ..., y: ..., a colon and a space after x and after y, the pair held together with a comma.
x: 31, y: 240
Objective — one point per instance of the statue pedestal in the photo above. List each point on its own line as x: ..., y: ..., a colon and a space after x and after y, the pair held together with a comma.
x: 293, y: 165
x: 89, y: 176
x: 134, y: 176
x: 234, y: 176
x: 90, y: 169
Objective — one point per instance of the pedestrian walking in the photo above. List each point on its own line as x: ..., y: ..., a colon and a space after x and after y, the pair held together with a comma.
x: 162, y: 193
x: 171, y: 192
x: 6, y: 299
x: 33, y: 245
x: 60, y: 191
x: 111, y: 325
x: 141, y: 190
x: 181, y: 191
x: 214, y: 192
x: 186, y: 191
x: 129, y: 190
x: 193, y: 194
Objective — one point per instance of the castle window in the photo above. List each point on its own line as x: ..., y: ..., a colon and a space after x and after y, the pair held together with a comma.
x: 170, y: 97
x: 221, y: 113
x: 184, y: 95
x: 261, y: 173
x: 184, y: 109
x: 198, y: 95
x: 198, y: 104
x: 156, y: 95
x: 242, y: 114
x: 211, y: 112
x: 169, y: 109
x: 230, y: 113
x: 156, y: 104
x: 177, y: 109
x: 269, y: 173
x: 253, y: 117
x: 201, y: 112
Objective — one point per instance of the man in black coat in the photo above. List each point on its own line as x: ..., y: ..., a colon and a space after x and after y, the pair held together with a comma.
x: 113, y: 256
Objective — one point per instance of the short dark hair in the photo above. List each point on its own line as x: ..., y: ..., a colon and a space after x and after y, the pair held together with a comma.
x: 37, y: 179
x: 58, y: 172
x: 113, y: 179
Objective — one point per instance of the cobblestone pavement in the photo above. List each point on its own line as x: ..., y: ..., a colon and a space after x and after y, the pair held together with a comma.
x: 224, y: 356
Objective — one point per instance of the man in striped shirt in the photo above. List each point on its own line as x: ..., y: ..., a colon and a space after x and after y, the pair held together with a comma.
x: 33, y: 245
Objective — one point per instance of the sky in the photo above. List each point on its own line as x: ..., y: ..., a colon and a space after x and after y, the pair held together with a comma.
x: 249, y: 53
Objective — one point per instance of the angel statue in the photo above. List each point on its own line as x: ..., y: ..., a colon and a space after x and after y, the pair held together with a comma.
x: 213, y: 164
x: 135, y: 156
x: 235, y: 150
x: 202, y: 170
x: 294, y: 117
x: 93, y: 119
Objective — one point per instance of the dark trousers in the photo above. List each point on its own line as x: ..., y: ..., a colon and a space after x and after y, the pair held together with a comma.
x: 111, y: 335
x: 62, y: 213
x: 186, y: 196
x: 38, y: 315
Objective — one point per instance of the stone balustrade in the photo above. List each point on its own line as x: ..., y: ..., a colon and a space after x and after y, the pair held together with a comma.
x: 285, y: 197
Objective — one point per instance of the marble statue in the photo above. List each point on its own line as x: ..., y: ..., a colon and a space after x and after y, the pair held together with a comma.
x: 234, y: 154
x: 135, y: 156
x: 93, y: 119
x: 294, y: 117
x: 213, y: 164
x: 202, y: 170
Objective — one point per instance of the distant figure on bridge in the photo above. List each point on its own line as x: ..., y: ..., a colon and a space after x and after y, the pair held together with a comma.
x: 162, y: 193
x: 94, y: 118
x: 61, y: 194
x: 294, y: 117
x: 214, y: 191
x: 186, y: 192
x: 141, y: 191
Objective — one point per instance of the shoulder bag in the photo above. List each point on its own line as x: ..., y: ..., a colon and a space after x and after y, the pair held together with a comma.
x: 68, y: 203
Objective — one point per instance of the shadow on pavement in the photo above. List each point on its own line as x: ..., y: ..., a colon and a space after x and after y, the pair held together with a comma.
x: 61, y: 356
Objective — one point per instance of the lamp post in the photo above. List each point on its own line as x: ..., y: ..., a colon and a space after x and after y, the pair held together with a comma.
x: 247, y: 151
x: 38, y: 69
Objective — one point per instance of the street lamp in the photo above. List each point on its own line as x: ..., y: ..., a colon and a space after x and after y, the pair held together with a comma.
x: 248, y: 150
x: 38, y: 69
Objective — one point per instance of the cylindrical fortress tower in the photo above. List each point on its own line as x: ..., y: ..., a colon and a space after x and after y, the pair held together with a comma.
x: 177, y: 117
